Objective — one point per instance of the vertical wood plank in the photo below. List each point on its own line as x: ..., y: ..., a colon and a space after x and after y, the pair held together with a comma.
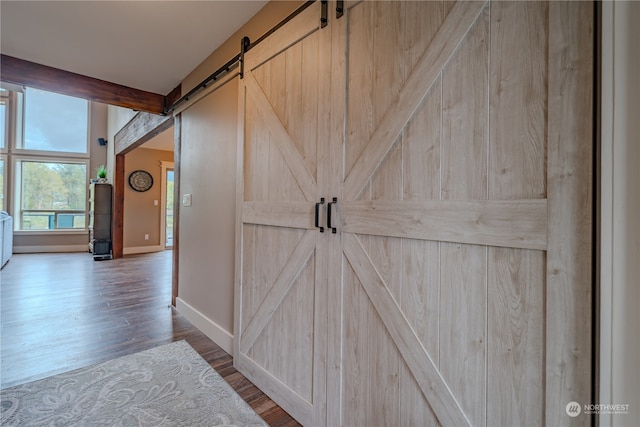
x: 422, y: 19
x: 386, y: 255
x: 570, y: 180
x: 464, y: 121
x: 356, y: 355
x: 331, y: 179
x: 420, y: 304
x: 421, y: 150
x: 279, y: 179
x: 515, y: 342
x: 463, y: 269
x: 421, y: 144
x: 516, y: 278
x: 312, y: 87
x: 319, y: 85
x: 462, y: 351
x: 294, y: 95
x: 518, y: 100
x: 239, y: 323
x: 360, y: 75
x: 420, y: 297
x: 386, y: 184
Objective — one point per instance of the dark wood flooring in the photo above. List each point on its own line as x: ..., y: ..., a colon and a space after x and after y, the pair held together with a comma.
x: 61, y: 312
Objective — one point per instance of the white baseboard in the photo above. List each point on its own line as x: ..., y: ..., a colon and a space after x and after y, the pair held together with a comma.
x: 207, y: 326
x: 142, y: 249
x: 53, y: 248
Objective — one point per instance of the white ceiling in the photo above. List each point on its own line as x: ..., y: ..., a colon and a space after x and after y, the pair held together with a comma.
x: 163, y: 142
x: 147, y: 45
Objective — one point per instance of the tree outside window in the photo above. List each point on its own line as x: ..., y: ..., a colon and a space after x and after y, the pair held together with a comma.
x: 53, y: 195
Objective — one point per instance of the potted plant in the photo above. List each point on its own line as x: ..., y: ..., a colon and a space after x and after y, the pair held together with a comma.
x: 102, y: 174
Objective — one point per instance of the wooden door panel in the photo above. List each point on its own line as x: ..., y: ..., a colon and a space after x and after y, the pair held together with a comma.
x: 282, y: 149
x: 417, y: 84
x: 462, y: 329
x: 518, y: 97
x: 452, y: 168
x: 515, y: 336
x: 371, y: 355
x: 259, y: 276
x: 289, y: 81
x: 464, y: 116
x: 421, y: 149
x: 447, y: 302
x: 409, y: 347
x: 280, y: 307
x: 289, y: 326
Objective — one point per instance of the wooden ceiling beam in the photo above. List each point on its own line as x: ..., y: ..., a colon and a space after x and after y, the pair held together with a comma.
x: 26, y: 73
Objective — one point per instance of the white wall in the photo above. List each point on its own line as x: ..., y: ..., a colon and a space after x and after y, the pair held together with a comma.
x: 208, y: 172
x: 620, y: 213
x: 118, y: 117
x: 207, y: 227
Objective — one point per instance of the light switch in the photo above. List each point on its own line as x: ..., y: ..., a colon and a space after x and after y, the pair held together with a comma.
x: 186, y: 200
x: 155, y: 203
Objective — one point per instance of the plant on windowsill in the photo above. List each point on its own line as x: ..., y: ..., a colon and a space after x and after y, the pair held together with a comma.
x: 102, y: 174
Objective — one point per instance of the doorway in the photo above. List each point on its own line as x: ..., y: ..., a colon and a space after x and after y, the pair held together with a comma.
x: 167, y: 204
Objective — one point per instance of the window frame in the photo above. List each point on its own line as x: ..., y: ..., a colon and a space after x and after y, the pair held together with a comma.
x: 18, y: 141
x: 16, y: 162
x: 13, y: 156
x: 7, y: 99
x: 5, y: 197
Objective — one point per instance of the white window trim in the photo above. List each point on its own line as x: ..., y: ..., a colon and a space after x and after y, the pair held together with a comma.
x: 17, y: 190
x: 163, y: 197
x: 5, y: 202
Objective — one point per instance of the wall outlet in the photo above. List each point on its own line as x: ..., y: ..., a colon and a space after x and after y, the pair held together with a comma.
x: 146, y: 237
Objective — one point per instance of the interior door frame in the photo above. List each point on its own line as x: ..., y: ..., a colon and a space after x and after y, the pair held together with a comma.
x: 140, y: 129
x: 166, y: 167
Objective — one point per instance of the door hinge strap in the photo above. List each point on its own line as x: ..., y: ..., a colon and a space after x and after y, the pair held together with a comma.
x: 339, y: 9
x: 244, y: 46
x: 324, y: 13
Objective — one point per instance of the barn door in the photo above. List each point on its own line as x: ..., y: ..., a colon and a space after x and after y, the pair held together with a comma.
x: 456, y: 139
x: 280, y: 309
x: 464, y: 298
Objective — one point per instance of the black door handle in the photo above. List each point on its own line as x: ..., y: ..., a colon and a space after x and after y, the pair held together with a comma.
x: 318, y: 215
x: 333, y: 229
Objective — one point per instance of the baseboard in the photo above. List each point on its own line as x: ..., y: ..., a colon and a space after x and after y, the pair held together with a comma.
x: 142, y: 249
x: 51, y: 249
x: 207, y: 326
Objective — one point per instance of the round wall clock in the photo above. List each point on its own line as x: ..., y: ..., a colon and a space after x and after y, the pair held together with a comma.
x: 140, y: 180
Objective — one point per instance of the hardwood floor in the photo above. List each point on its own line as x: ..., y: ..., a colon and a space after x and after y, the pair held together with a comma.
x: 61, y: 312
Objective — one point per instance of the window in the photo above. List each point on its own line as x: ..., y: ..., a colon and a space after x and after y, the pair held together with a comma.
x: 4, y: 98
x: 54, y: 122
x: 48, y: 154
x: 3, y: 123
x: 52, y: 195
x: 2, y: 190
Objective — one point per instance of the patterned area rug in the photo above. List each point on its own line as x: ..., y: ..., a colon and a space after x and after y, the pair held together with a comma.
x: 170, y: 385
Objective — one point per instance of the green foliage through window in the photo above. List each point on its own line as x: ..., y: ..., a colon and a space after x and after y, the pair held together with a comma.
x: 53, y: 195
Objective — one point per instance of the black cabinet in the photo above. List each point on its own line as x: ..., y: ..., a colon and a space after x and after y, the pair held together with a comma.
x: 100, y: 202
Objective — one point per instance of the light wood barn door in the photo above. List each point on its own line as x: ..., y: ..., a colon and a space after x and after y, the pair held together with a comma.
x: 465, y: 215
x: 280, y: 309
